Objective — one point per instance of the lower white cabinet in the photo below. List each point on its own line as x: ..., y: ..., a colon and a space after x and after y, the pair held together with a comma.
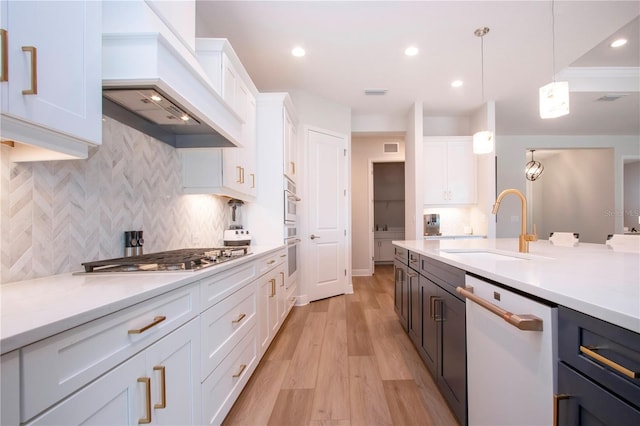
x: 155, y: 386
x: 383, y: 250
x: 10, y: 388
x: 272, y: 306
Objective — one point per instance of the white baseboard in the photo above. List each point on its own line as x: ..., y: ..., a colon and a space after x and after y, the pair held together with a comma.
x: 360, y: 273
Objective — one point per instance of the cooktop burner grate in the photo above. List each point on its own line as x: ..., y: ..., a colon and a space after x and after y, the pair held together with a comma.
x: 172, y: 260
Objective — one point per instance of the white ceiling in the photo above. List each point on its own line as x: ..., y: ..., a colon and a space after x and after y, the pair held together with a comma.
x: 358, y: 45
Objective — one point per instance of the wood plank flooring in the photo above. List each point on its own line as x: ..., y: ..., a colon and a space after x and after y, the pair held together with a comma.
x: 343, y: 361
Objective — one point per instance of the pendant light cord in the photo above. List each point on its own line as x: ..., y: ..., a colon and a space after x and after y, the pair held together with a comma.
x: 553, y: 41
x: 482, y: 65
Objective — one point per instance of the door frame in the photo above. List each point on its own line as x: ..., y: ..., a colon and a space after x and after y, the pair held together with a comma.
x: 370, y: 201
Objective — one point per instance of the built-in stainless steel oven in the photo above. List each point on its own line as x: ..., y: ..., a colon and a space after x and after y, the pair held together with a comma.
x: 293, y: 252
x: 291, y: 201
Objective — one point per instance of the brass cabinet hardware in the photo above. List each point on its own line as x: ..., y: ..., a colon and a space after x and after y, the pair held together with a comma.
x: 241, y: 174
x: 282, y: 279
x: 273, y: 287
x: 242, y: 367
x: 283, y: 255
x: 590, y: 352
x: 240, y: 318
x: 4, y: 45
x: 524, y: 322
x: 157, y: 320
x: 34, y: 70
x: 556, y: 400
x: 253, y: 180
x: 147, y: 382
x: 239, y: 179
x: 271, y: 262
x: 163, y: 386
x: 8, y: 143
x: 293, y: 168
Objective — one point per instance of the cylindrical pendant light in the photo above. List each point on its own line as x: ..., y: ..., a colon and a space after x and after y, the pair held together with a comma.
x: 482, y: 140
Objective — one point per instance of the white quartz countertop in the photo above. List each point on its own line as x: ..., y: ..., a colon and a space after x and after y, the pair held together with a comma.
x: 35, y: 309
x: 590, y: 278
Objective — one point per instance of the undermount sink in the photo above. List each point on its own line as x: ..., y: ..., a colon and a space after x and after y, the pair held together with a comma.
x: 480, y: 254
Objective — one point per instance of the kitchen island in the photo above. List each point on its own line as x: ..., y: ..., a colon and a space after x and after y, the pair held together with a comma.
x: 590, y: 278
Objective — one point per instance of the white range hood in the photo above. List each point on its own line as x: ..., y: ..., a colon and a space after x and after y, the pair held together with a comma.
x: 152, y: 81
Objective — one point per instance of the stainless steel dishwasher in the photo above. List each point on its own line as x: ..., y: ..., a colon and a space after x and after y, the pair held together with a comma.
x: 511, y: 356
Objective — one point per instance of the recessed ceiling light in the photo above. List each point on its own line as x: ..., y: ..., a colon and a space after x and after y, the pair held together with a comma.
x: 298, y: 52
x: 619, y: 42
x: 411, y: 51
x: 457, y: 83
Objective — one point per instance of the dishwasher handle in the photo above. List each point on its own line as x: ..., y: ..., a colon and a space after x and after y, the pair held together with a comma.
x: 520, y: 321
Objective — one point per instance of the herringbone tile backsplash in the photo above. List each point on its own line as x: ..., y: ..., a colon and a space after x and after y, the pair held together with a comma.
x: 57, y: 214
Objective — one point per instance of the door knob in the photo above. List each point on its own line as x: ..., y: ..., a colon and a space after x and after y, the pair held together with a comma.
x: 313, y: 237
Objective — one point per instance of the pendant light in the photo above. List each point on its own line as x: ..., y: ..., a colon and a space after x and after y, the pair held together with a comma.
x: 554, y: 97
x: 483, y: 140
x: 533, y: 169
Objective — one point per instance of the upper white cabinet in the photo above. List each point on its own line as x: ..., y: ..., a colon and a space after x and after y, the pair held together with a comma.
x: 290, y: 146
x: 449, y: 170
x: 226, y: 171
x: 51, y: 78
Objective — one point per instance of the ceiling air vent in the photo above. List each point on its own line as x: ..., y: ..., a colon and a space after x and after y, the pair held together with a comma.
x: 375, y: 92
x: 610, y: 97
x: 391, y: 148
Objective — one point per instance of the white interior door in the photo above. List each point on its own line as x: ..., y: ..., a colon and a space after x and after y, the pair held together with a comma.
x: 327, y: 213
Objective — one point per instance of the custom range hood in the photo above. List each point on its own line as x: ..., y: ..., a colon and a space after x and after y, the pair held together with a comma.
x: 157, y: 86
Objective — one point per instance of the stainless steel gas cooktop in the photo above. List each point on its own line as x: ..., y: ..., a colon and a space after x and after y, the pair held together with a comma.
x: 168, y: 261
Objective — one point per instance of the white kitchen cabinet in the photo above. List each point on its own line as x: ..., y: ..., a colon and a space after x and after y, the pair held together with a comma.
x: 383, y: 250
x: 272, y: 303
x: 290, y: 146
x: 229, y: 172
x: 156, y: 386
x: 64, y: 364
x: 10, y: 388
x: 52, y: 93
x: 449, y: 170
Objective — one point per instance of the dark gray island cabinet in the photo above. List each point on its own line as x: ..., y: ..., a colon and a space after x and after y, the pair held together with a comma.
x: 598, y: 372
x: 433, y: 315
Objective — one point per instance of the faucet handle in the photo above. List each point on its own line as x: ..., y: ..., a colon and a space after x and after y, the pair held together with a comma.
x: 532, y: 237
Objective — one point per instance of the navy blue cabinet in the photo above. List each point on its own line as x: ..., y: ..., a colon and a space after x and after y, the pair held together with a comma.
x: 598, y: 372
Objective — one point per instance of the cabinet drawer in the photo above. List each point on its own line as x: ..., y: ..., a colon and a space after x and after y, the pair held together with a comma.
x: 617, y: 346
x: 401, y: 254
x: 55, y: 367
x: 414, y: 261
x: 219, y: 286
x: 223, y: 386
x: 267, y: 263
x: 224, y: 324
x: 446, y: 276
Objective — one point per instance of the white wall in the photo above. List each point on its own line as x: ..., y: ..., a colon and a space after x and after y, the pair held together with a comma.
x: 575, y: 194
x: 365, y: 150
x: 512, y: 151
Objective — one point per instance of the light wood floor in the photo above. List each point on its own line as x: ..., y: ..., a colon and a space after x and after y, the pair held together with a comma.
x: 343, y: 361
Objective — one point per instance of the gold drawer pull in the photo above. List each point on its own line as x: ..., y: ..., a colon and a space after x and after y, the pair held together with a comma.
x: 523, y: 322
x: 240, y: 318
x: 242, y: 367
x: 34, y: 70
x: 273, y: 287
x: 147, y: 382
x: 156, y: 321
x: 271, y: 262
x: 293, y: 168
x: 590, y: 352
x: 163, y: 386
x: 556, y: 409
x: 253, y: 180
x: 282, y: 279
x: 283, y: 255
x: 4, y: 45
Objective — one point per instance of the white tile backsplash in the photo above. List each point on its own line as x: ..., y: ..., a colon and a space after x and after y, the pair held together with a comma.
x: 57, y: 214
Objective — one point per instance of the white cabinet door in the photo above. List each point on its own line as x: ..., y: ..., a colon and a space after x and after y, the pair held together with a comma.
x: 290, y: 135
x: 449, y: 170
x: 10, y: 388
x: 281, y: 294
x: 54, y: 76
x: 386, y: 251
x: 172, y: 366
x: 268, y: 304
x: 114, y: 398
x: 435, y: 172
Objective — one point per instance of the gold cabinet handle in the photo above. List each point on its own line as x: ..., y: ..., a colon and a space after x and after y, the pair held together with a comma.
x: 239, y: 179
x: 242, y: 367
x: 293, y: 167
x: 556, y: 409
x: 4, y: 45
x: 271, y: 262
x: 163, y: 386
x: 523, y: 322
x: 242, y: 174
x: 240, y: 318
x: 157, y: 320
x: 282, y: 279
x: 253, y: 180
x: 283, y: 255
x: 34, y: 70
x: 147, y: 382
x: 590, y: 352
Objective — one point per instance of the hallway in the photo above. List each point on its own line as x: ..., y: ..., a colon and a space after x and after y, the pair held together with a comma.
x: 343, y: 361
